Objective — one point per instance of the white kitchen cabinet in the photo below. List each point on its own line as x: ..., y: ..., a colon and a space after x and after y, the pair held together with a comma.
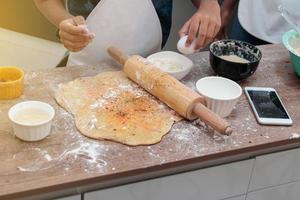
x: 213, y: 183
x: 237, y: 198
x: 77, y: 197
x: 290, y: 191
x: 274, y: 169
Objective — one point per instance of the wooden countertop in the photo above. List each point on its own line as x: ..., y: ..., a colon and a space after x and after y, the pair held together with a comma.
x: 68, y: 163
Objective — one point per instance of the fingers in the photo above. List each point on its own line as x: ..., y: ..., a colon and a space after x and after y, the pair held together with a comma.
x: 218, y: 28
x: 200, y: 28
x: 75, y: 38
x: 202, y: 36
x: 194, y: 27
x: 212, y: 32
x: 69, y: 27
x: 79, y: 20
x: 74, y: 33
x: 185, y: 29
x: 75, y: 42
x: 74, y: 46
x: 74, y: 26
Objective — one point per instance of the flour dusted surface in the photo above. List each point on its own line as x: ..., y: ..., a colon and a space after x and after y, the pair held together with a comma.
x: 110, y: 106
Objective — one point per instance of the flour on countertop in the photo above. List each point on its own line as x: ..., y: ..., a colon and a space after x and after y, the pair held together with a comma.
x: 67, y: 149
x: 295, y: 136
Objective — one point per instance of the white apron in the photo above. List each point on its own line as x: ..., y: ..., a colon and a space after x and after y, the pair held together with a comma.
x: 132, y: 25
x: 262, y: 19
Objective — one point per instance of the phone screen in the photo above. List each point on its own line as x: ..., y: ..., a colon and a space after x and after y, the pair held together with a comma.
x: 267, y: 104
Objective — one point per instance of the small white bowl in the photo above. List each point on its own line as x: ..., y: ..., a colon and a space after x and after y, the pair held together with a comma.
x: 221, y: 94
x: 182, y: 48
x: 31, y: 131
x: 171, y: 62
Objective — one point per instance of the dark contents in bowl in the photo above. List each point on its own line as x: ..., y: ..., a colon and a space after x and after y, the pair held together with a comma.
x: 234, y: 70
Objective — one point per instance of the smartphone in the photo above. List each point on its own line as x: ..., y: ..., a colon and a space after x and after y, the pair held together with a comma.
x: 267, y: 106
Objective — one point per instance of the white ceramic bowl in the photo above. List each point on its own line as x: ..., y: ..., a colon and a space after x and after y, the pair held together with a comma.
x: 171, y: 62
x: 184, y: 49
x: 221, y: 94
x: 31, y: 131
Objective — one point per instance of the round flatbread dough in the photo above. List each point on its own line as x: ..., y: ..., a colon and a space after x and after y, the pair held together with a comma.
x: 110, y: 106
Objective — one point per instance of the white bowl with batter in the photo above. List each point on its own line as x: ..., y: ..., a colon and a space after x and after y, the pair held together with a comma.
x: 171, y: 62
x: 31, y: 120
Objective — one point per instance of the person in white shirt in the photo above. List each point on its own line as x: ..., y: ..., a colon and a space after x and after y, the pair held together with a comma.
x: 258, y: 21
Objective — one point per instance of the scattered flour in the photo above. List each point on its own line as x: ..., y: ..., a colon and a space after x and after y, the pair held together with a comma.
x: 295, y: 136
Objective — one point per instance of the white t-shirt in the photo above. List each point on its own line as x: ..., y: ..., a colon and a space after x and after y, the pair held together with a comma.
x: 262, y: 19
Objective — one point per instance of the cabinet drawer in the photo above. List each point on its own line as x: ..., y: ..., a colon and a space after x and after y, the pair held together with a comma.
x: 213, y: 183
x: 237, y: 198
x: 290, y: 191
x: 274, y: 169
x: 77, y: 197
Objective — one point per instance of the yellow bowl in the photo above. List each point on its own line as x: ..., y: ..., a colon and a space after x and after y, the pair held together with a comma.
x: 11, y: 82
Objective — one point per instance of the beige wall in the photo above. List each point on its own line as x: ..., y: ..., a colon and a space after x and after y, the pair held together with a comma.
x: 23, y: 16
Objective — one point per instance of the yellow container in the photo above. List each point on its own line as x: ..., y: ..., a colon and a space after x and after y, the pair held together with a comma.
x: 11, y: 82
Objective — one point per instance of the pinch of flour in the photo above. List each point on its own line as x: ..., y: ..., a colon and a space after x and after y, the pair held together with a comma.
x: 295, y: 136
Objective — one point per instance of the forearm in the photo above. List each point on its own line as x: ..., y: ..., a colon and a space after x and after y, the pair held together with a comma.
x: 228, y: 5
x: 53, y: 10
x: 227, y: 9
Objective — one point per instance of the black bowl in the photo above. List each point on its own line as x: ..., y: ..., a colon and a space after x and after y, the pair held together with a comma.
x: 234, y: 70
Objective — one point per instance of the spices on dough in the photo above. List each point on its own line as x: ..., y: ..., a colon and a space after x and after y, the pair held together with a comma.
x: 110, y: 106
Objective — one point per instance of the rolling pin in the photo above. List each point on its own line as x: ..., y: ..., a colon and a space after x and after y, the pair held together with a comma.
x: 169, y: 90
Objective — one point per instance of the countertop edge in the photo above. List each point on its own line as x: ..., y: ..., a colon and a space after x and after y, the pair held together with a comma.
x: 102, y: 182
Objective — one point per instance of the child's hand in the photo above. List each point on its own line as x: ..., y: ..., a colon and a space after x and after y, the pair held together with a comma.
x: 203, y: 25
x: 74, y: 34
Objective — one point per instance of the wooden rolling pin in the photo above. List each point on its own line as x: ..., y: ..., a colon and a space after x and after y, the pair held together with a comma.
x: 169, y: 90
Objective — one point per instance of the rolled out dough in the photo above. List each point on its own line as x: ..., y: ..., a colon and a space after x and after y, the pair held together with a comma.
x: 109, y: 106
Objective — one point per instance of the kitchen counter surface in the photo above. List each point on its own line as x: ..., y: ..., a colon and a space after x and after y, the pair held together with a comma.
x: 68, y: 163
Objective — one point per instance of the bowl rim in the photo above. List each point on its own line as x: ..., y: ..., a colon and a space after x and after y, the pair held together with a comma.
x: 225, y: 40
x: 51, y: 114
x: 285, y: 40
x: 14, y: 81
x: 187, y: 67
x: 225, y: 79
